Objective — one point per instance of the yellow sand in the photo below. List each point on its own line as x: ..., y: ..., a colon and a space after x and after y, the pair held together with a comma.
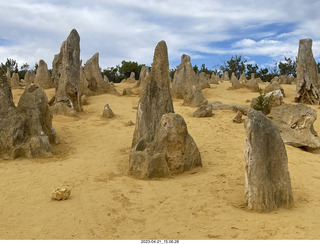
x: 105, y: 203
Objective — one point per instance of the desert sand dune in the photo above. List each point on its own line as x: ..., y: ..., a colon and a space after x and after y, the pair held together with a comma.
x: 92, y: 159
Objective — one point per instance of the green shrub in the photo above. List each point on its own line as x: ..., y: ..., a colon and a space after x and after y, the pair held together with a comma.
x: 263, y: 103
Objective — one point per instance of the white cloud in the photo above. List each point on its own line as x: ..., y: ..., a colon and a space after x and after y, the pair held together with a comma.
x: 129, y: 30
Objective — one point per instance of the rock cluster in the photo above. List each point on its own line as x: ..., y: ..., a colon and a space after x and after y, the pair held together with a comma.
x: 186, y: 84
x: 28, y: 127
x: 95, y: 83
x: 161, y: 145
x: 43, y: 76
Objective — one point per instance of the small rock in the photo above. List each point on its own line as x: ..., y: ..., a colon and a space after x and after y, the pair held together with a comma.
x: 61, y: 193
x: 107, y: 112
x: 129, y: 123
x: 238, y: 119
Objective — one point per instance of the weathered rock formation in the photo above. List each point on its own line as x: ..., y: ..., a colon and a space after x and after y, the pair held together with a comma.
x: 156, y: 99
x: 238, y: 118
x: 172, y: 150
x: 142, y: 78
x: 8, y: 74
x: 203, y: 111
x: 15, y: 81
x: 273, y: 87
x: 107, y: 112
x: 307, y: 89
x: 161, y: 145
x: 61, y: 193
x: 268, y: 184
x: 96, y: 83
x: 29, y: 77
x: 43, y: 76
x: 252, y: 85
x: 295, y: 122
x: 186, y: 84
x: 215, y: 78
x: 235, y: 83
x: 243, y: 78
x: 225, y: 76
x: 26, y: 130
x: 204, y: 80
x: 66, y: 75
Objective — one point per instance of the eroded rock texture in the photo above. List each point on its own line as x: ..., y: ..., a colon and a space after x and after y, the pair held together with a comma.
x: 307, y: 89
x: 66, y: 75
x: 295, y: 122
x: 268, y: 184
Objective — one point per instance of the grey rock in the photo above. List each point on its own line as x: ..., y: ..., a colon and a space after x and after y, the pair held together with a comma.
x: 295, y: 122
x: 186, y: 84
x: 107, y: 112
x: 43, y: 77
x: 203, y: 111
x: 268, y: 184
x: 172, y: 151
x: 307, y: 88
x: 66, y: 73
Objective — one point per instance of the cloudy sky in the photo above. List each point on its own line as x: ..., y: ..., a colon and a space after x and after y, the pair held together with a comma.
x: 210, y: 31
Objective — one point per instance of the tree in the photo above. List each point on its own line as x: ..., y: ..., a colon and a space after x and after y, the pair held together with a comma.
x: 127, y: 67
x: 251, y: 69
x: 205, y: 69
x: 10, y: 64
x: 289, y: 67
x: 236, y: 65
x: 196, y: 69
x: 112, y: 74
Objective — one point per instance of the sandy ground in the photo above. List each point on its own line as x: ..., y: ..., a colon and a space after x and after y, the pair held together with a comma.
x: 105, y: 203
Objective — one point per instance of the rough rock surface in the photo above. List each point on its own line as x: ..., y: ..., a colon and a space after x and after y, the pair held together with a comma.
x: 238, y: 118
x: 186, y: 84
x: 15, y: 81
x: 225, y: 76
x: 243, y: 78
x: 61, y: 193
x: 8, y: 74
x: 214, y: 79
x: 107, y: 112
x: 252, y: 85
x: 66, y: 74
x: 234, y: 107
x: 235, y: 83
x: 92, y: 74
x: 204, y: 80
x: 295, y: 122
x: 43, y: 77
x: 277, y: 98
x: 29, y: 77
x: 161, y: 145
x: 156, y: 99
x: 268, y: 184
x: 307, y: 88
x: 171, y: 152
x: 26, y: 130
x: 203, y: 111
x: 273, y: 87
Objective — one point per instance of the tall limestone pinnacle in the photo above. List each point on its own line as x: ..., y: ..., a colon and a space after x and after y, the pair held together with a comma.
x: 307, y: 89
x: 66, y: 74
x: 161, y: 144
x: 156, y: 99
